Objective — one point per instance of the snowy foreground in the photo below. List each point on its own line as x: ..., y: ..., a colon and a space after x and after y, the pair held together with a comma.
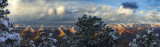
x: 6, y: 38
x: 148, y: 40
x: 14, y: 40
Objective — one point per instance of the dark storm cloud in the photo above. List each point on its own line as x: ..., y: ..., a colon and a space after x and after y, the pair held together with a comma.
x: 131, y: 5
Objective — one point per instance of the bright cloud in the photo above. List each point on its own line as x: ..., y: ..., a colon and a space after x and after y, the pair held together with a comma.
x: 62, y: 11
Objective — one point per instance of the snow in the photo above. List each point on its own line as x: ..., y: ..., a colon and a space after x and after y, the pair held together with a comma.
x: 3, y: 33
x: 49, y: 42
x: 96, y: 23
x: 7, y: 11
x: 54, y: 40
x: 5, y: 22
x: 1, y: 1
x: 4, y: 16
x: 5, y: 4
x: 137, y: 36
x: 53, y: 46
x: 154, y: 43
x: 112, y: 34
x: 134, y: 40
x: 115, y: 30
x: 144, y: 36
x: 146, y: 40
x: 14, y: 36
x: 157, y: 35
x: 114, y: 37
x: 133, y: 45
x: 2, y: 39
x: 65, y: 37
x: 10, y: 29
x: 6, y: 36
x: 32, y: 43
x: 43, y: 37
x: 50, y: 34
x: 149, y: 31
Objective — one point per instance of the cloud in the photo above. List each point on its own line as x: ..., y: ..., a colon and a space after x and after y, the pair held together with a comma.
x: 131, y: 5
x: 51, y: 11
x: 41, y: 16
x: 105, y: 8
x: 60, y: 10
x: 112, y: 14
x: 127, y: 8
x: 38, y: 11
x: 153, y: 16
x: 126, y: 11
x: 141, y: 12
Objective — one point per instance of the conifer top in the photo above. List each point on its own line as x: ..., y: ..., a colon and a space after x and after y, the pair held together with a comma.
x: 3, y: 3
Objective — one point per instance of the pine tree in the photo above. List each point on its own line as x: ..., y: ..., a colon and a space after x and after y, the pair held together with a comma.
x: 45, y: 41
x: 7, y: 38
x: 5, y: 24
x: 48, y: 41
x: 148, y: 40
x: 90, y: 28
x: 109, y: 37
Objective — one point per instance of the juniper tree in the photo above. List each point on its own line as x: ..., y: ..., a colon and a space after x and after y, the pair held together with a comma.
x: 148, y: 40
x: 7, y: 38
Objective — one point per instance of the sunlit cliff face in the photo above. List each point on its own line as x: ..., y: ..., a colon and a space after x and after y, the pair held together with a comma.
x: 41, y: 28
x: 131, y: 28
x: 22, y: 32
x: 32, y: 30
x: 122, y: 28
x: 72, y: 30
x: 61, y: 31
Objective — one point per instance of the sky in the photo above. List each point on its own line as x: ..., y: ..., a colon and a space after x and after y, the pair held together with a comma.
x: 67, y: 11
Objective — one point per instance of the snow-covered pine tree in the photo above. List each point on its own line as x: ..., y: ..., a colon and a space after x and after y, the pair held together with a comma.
x: 5, y: 24
x: 109, y: 37
x: 87, y: 36
x: 45, y: 41
x: 30, y: 44
x: 7, y: 38
x: 48, y: 41
x: 148, y: 40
